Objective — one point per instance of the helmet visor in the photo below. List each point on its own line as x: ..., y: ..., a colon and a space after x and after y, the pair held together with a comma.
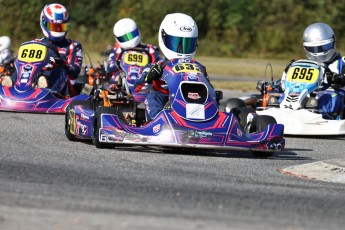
x: 128, y: 36
x: 182, y: 45
x: 57, y: 27
x: 319, y: 47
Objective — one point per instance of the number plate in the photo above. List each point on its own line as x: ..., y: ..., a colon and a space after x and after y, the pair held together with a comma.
x: 186, y: 67
x: 134, y: 58
x: 32, y: 53
x: 303, y: 74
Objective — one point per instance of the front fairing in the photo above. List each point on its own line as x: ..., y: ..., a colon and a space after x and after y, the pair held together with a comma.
x: 191, y: 95
x: 304, y: 75
x: 170, y: 129
x: 132, y: 63
x: 302, y: 78
x: 32, y: 57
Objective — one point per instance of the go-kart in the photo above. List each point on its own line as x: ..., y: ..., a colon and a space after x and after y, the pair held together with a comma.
x: 191, y: 118
x: 25, y: 96
x: 301, y: 108
x: 132, y: 62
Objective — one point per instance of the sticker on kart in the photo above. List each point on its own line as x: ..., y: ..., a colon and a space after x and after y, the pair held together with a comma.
x: 32, y: 53
x: 135, y: 58
x: 303, y: 74
x: 186, y: 67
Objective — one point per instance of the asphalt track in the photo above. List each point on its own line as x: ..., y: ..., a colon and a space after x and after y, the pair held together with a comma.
x: 48, y: 182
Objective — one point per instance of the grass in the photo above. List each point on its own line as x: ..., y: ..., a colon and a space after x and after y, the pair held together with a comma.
x: 243, y: 86
x: 229, y: 71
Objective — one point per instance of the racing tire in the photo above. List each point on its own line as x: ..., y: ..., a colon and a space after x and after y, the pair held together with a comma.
x: 261, y: 122
x: 97, y: 124
x: 86, y: 104
x: 242, y: 114
x: 233, y: 103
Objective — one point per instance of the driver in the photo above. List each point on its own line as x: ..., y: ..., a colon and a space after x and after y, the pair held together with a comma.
x: 6, y: 60
x: 55, y: 24
x: 174, y: 43
x: 319, y: 45
x: 6, y: 54
x: 127, y: 37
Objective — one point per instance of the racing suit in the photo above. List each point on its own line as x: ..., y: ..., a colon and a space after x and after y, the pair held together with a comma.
x: 113, y: 68
x: 330, y: 101
x: 159, y: 96
x: 61, y: 80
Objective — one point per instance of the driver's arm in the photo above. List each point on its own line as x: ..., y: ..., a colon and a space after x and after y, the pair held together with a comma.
x: 74, y: 60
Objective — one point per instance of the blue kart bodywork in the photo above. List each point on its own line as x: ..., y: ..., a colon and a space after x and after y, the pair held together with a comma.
x: 192, y: 120
x: 24, y: 96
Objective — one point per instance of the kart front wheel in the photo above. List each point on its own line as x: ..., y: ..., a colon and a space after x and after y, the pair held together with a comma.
x: 242, y: 115
x: 261, y: 122
x: 97, y: 124
x: 232, y: 103
x: 70, y: 117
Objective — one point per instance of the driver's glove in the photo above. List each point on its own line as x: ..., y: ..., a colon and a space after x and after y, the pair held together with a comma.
x: 154, y: 73
x: 334, y: 78
x: 54, y: 62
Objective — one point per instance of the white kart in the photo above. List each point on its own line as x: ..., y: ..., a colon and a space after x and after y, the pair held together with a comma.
x: 305, y: 107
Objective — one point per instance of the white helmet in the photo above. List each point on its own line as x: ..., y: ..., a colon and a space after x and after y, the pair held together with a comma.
x: 319, y: 42
x: 127, y: 33
x: 5, y: 43
x: 178, y: 36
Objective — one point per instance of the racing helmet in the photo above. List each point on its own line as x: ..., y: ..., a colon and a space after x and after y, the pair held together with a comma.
x: 319, y: 42
x: 178, y: 36
x: 55, y: 22
x: 5, y: 43
x: 127, y: 33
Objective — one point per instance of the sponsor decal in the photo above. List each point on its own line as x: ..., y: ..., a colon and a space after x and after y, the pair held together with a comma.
x: 195, y: 111
x: 193, y: 77
x: 193, y: 95
x: 84, y: 117
x: 194, y: 135
x: 185, y: 29
x: 133, y: 77
x: 26, y: 73
x: 156, y: 128
x: 239, y: 133
x: 81, y: 128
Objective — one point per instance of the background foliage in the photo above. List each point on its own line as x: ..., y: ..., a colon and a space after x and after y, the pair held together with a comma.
x: 227, y: 28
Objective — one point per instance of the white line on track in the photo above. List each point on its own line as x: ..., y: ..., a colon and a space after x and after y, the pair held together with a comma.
x: 329, y: 170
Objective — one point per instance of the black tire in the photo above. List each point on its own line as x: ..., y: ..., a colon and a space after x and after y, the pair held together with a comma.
x: 68, y: 115
x: 261, y: 122
x: 242, y: 113
x: 233, y: 103
x: 97, y: 125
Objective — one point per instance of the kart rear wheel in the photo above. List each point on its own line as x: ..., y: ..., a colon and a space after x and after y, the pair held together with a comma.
x: 232, y: 103
x: 70, y: 117
x: 97, y: 124
x: 242, y: 113
x: 261, y: 122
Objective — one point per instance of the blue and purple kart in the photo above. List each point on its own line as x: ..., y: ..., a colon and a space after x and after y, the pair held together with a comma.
x: 191, y: 118
x: 25, y: 96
